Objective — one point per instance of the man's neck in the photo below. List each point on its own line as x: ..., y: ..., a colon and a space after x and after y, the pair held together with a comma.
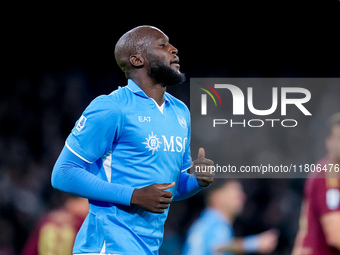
x: 152, y: 90
x: 229, y: 216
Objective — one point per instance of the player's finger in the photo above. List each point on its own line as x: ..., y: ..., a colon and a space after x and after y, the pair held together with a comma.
x: 201, y: 153
x: 165, y: 185
x: 204, y: 178
x: 204, y: 172
x: 158, y: 210
x: 166, y: 200
x: 203, y: 161
x: 167, y: 194
x: 204, y: 168
x: 163, y: 206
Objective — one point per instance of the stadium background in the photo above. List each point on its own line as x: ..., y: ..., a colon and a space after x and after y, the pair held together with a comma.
x: 57, y: 58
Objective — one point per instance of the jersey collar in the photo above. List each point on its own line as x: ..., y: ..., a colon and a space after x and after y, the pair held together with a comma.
x: 217, y: 214
x: 137, y: 90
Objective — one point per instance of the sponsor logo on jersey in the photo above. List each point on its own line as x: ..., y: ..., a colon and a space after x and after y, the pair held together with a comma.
x: 152, y: 143
x: 170, y: 143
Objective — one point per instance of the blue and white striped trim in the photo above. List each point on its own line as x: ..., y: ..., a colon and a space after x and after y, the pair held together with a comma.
x: 75, y: 153
x: 184, y: 170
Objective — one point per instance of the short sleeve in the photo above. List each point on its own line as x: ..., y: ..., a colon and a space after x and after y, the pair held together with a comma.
x: 187, y: 161
x: 326, y: 198
x: 96, y: 130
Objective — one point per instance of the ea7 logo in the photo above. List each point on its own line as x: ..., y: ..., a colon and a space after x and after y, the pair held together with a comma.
x: 238, y: 99
x: 143, y: 118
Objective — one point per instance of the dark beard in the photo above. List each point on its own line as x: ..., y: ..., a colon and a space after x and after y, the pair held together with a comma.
x: 164, y: 75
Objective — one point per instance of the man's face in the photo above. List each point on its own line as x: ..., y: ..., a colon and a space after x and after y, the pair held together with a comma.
x: 333, y: 143
x: 233, y: 197
x: 163, y: 61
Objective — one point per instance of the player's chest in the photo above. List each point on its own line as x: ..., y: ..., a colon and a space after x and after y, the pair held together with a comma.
x: 149, y: 129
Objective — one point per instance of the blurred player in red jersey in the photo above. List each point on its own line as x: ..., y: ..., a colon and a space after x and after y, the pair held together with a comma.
x: 319, y: 232
x: 55, y: 233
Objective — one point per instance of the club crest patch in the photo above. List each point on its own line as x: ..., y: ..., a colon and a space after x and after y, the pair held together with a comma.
x: 182, y: 121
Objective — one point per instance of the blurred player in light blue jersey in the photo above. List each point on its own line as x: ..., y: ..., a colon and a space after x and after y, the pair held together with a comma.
x: 129, y: 152
x: 212, y: 233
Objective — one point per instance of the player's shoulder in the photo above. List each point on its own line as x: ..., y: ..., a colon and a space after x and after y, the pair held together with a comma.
x: 178, y: 103
x: 115, y: 99
x: 117, y: 96
x: 105, y: 106
x: 212, y: 217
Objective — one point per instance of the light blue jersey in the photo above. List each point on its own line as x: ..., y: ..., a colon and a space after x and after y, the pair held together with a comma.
x: 131, y: 141
x: 209, y: 232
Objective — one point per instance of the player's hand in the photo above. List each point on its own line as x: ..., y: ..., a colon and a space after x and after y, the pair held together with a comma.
x: 153, y: 198
x: 268, y: 241
x: 200, y: 169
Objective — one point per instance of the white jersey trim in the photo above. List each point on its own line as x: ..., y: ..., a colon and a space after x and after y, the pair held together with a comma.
x: 103, y: 249
x: 107, y: 160
x: 75, y: 153
x: 134, y: 91
x: 186, y: 169
x: 160, y: 108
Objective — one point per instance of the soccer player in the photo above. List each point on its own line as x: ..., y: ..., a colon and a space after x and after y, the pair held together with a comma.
x: 212, y: 232
x: 319, y: 231
x: 129, y: 152
x: 56, y: 231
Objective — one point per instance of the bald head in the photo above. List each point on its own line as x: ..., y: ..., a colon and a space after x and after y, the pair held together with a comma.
x: 146, y: 56
x: 135, y: 41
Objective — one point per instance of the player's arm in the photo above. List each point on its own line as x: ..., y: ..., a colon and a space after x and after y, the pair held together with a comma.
x: 236, y: 246
x: 100, y: 125
x: 190, y: 184
x: 330, y: 218
x: 187, y: 186
x: 262, y: 243
x: 70, y: 175
x: 330, y: 223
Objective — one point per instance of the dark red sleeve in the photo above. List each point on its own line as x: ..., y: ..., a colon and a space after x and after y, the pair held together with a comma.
x: 31, y: 246
x: 325, y: 195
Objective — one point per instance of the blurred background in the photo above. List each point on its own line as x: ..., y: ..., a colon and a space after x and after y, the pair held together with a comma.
x: 57, y: 58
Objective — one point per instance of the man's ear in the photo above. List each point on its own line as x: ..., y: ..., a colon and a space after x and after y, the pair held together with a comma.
x: 137, y: 60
